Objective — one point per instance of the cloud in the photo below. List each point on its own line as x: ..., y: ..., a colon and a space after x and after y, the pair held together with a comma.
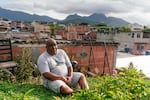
x: 130, y: 10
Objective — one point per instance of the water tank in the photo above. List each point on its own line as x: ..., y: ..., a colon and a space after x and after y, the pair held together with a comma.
x: 126, y: 50
x: 147, y: 52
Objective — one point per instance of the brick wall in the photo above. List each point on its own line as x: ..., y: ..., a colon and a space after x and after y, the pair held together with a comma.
x: 85, y: 55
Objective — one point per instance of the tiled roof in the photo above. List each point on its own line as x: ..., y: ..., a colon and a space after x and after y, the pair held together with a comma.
x: 94, y: 43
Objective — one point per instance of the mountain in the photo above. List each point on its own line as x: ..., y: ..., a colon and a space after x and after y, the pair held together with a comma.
x: 72, y: 17
x: 76, y: 19
x: 93, y: 19
x: 98, y: 17
x: 21, y: 16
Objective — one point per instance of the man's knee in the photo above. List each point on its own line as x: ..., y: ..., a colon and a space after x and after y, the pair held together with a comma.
x: 82, y: 82
x: 64, y: 89
x: 82, y: 77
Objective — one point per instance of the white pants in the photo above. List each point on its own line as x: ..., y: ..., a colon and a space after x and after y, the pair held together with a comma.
x: 55, y: 85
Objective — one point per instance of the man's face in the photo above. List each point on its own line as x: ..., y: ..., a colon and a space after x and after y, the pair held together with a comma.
x: 52, y: 47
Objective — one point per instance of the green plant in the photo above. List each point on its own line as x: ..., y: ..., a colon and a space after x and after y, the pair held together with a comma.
x: 128, y: 85
x: 125, y: 29
x: 25, y: 65
x: 6, y: 75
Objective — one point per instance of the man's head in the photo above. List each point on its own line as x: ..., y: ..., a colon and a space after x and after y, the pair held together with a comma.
x: 51, y: 46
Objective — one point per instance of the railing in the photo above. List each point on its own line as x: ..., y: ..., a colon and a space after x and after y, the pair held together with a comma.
x: 6, y: 57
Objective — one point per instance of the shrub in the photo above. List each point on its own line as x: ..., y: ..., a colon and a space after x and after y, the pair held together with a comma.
x: 26, y: 67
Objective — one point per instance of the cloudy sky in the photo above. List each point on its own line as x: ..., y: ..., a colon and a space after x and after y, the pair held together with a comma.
x: 133, y: 11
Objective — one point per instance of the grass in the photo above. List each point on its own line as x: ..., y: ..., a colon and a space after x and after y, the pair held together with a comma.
x: 126, y: 86
x: 17, y: 91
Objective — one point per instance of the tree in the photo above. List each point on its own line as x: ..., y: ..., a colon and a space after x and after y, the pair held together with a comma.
x: 52, y: 30
x: 125, y: 29
x: 146, y: 30
x: 102, y: 27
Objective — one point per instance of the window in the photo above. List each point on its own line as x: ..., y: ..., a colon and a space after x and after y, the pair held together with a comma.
x: 140, y: 47
x: 132, y: 35
x: 138, y: 35
x: 129, y: 34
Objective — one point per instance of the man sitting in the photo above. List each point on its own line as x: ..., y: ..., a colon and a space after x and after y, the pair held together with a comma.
x: 57, y: 71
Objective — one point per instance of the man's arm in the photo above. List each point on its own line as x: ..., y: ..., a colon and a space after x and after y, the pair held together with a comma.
x: 70, y: 71
x: 68, y: 64
x: 70, y: 74
x: 52, y: 76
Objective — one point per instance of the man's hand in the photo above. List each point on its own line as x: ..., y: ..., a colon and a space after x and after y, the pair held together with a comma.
x: 66, y: 79
x: 63, y: 78
x: 70, y: 73
x: 69, y: 78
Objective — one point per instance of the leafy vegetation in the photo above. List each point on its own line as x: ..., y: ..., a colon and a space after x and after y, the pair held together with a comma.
x: 102, y: 27
x: 52, y: 29
x: 146, y: 30
x: 125, y: 29
x: 25, y: 67
x: 16, y: 91
x: 128, y: 85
